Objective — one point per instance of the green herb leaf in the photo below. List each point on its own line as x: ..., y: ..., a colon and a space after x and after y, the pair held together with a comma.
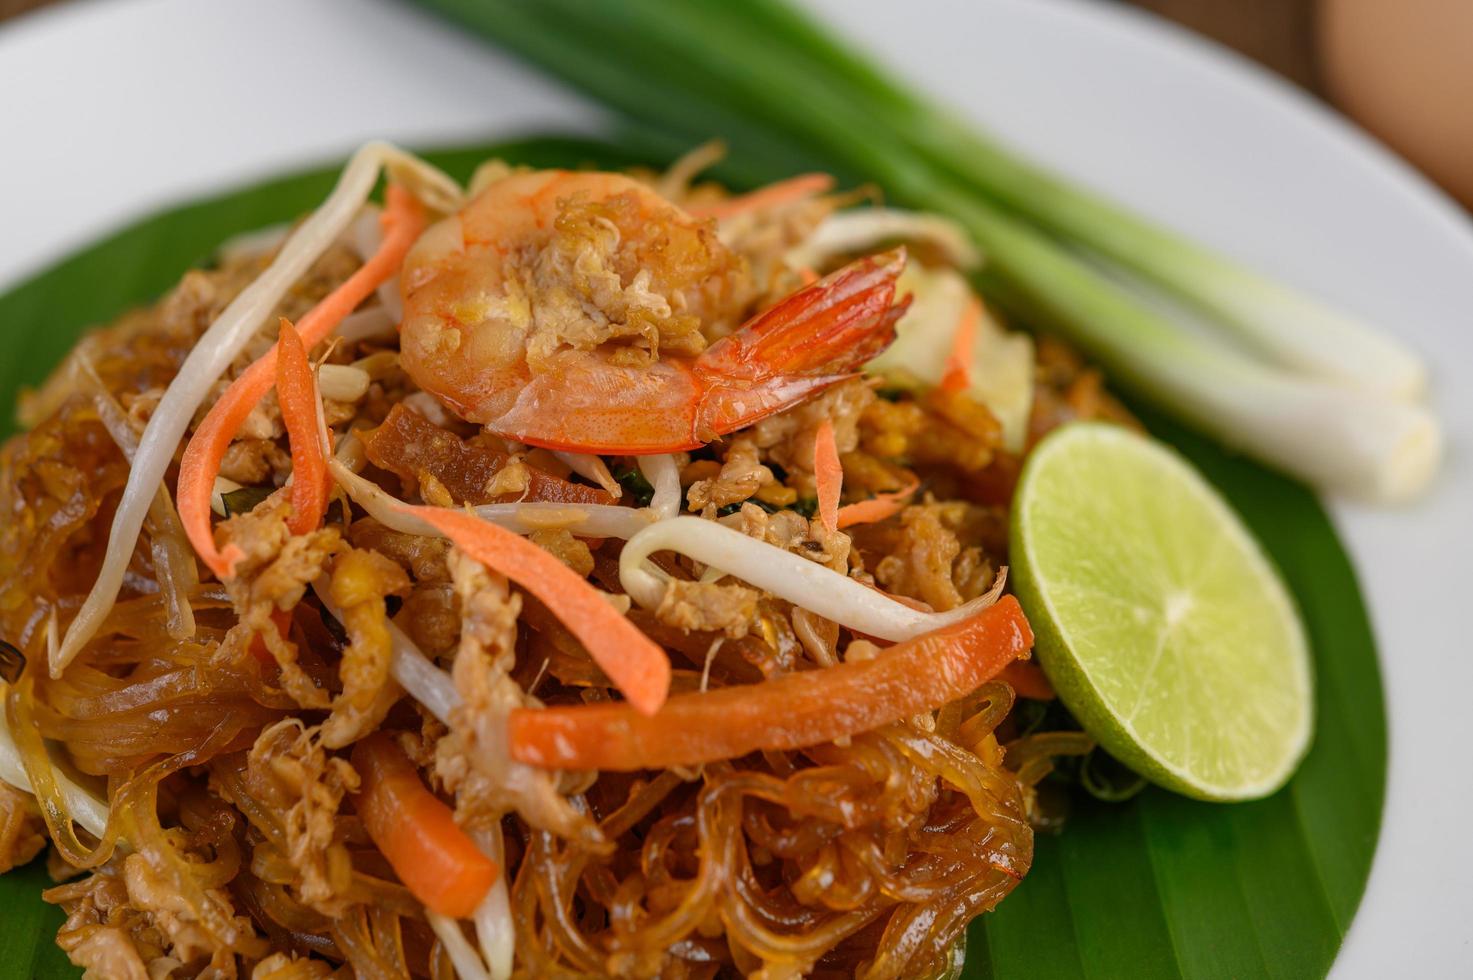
x: 634, y: 484
x: 1157, y: 887
x: 244, y: 500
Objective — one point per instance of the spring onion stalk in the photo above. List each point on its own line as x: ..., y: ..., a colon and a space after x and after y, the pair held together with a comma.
x: 1284, y: 325
x: 764, y: 72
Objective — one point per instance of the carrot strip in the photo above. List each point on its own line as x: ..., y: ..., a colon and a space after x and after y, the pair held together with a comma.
x: 828, y: 474
x: 1028, y: 680
x: 789, y: 712
x: 403, y: 219
x: 434, y: 858
x: 773, y: 195
x: 958, y: 373
x: 636, y: 665
x: 877, y: 508
x: 297, y: 391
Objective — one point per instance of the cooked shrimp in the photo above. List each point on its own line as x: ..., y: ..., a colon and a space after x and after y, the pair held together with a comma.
x: 576, y: 311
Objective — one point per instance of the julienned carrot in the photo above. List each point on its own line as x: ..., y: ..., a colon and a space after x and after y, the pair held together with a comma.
x: 296, y: 390
x: 637, y: 666
x: 828, y: 474
x: 790, y: 712
x: 958, y: 373
x: 771, y: 196
x: 403, y: 219
x: 434, y: 858
x: 877, y: 508
x: 1029, y: 681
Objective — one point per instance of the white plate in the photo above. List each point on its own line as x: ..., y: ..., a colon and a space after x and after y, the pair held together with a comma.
x: 111, y: 109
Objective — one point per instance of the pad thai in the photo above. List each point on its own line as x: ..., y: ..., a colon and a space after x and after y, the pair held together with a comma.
x: 568, y: 574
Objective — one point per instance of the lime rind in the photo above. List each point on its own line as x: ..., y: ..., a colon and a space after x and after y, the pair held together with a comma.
x: 1159, y: 619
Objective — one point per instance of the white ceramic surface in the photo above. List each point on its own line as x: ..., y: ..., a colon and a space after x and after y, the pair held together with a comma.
x: 112, y: 108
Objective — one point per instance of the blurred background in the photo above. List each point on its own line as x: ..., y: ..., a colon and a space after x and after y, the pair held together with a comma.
x: 1403, y: 69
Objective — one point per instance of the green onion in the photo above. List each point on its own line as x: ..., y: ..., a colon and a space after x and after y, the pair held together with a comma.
x: 1284, y: 325
x: 244, y: 500
x: 768, y: 80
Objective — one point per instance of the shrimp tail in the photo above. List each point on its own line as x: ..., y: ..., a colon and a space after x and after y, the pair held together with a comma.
x: 830, y: 327
x: 818, y: 336
x: 814, y: 338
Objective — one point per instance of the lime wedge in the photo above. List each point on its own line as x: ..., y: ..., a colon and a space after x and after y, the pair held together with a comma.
x: 1159, y: 620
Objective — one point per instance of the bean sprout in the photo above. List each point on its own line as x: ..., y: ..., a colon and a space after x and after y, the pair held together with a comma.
x: 591, y: 467
x: 213, y: 353
x: 664, y: 476
x: 802, y: 582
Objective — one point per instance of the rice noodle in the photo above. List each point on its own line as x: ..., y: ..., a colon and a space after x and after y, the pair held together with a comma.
x: 664, y: 476
x: 85, y: 808
x: 219, y: 346
x: 591, y: 467
x: 802, y: 582
x: 592, y: 520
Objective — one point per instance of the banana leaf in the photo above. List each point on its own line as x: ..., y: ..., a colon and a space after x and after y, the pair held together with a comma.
x: 1157, y: 887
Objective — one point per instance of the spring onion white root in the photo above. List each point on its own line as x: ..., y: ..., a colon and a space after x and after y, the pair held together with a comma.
x: 220, y: 344
x: 1351, y: 441
x: 802, y: 582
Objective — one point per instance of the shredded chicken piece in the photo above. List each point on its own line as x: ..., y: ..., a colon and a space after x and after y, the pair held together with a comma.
x: 99, y: 932
x: 473, y: 761
x: 793, y: 532
x: 941, y: 428
x: 274, y: 574
x: 561, y: 544
x: 708, y: 607
x: 360, y: 581
x: 286, y: 966
x: 185, y: 939
x: 788, y: 436
x: 421, y: 556
x: 933, y: 554
x: 252, y: 462
x: 123, y: 924
x: 22, y: 834
x: 288, y: 768
x: 431, y: 616
x: 741, y: 476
